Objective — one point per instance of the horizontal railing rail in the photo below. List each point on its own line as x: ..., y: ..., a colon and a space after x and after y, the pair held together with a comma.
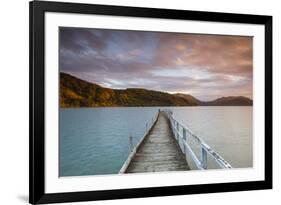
x: 182, y: 135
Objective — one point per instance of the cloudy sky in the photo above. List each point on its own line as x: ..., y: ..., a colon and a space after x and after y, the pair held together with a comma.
x: 205, y: 66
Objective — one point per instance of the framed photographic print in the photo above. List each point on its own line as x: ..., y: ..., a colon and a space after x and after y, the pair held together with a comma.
x: 140, y: 102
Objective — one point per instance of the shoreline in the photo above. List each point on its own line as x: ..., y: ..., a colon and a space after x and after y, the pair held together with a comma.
x: 155, y: 106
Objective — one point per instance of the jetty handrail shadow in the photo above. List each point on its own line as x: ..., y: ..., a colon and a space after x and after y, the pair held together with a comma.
x: 182, y: 138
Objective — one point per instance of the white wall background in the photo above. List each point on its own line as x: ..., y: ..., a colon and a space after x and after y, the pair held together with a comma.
x: 14, y: 100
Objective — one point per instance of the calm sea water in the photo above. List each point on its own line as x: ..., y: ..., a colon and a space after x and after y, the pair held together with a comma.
x: 95, y: 141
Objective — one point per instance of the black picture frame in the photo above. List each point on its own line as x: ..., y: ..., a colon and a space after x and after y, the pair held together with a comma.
x: 37, y: 9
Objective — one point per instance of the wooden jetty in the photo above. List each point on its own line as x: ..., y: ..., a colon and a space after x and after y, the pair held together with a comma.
x: 165, y: 147
x: 158, y: 151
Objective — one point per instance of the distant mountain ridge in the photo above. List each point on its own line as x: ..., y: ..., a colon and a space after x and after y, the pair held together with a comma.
x: 75, y: 92
x: 189, y: 98
x: 230, y: 101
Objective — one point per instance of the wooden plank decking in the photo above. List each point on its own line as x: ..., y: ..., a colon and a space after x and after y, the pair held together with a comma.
x: 159, y: 151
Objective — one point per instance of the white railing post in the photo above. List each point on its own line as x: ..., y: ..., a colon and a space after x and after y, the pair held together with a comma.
x: 131, y: 143
x: 177, y: 130
x: 184, y: 133
x: 173, y: 125
x: 203, y: 158
x: 184, y: 138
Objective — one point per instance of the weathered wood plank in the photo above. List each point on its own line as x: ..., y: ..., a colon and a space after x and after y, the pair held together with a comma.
x: 159, y: 151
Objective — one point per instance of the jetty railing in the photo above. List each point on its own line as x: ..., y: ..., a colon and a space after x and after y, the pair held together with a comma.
x: 182, y: 134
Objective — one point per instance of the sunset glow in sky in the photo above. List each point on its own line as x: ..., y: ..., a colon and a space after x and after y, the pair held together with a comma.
x: 205, y: 66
